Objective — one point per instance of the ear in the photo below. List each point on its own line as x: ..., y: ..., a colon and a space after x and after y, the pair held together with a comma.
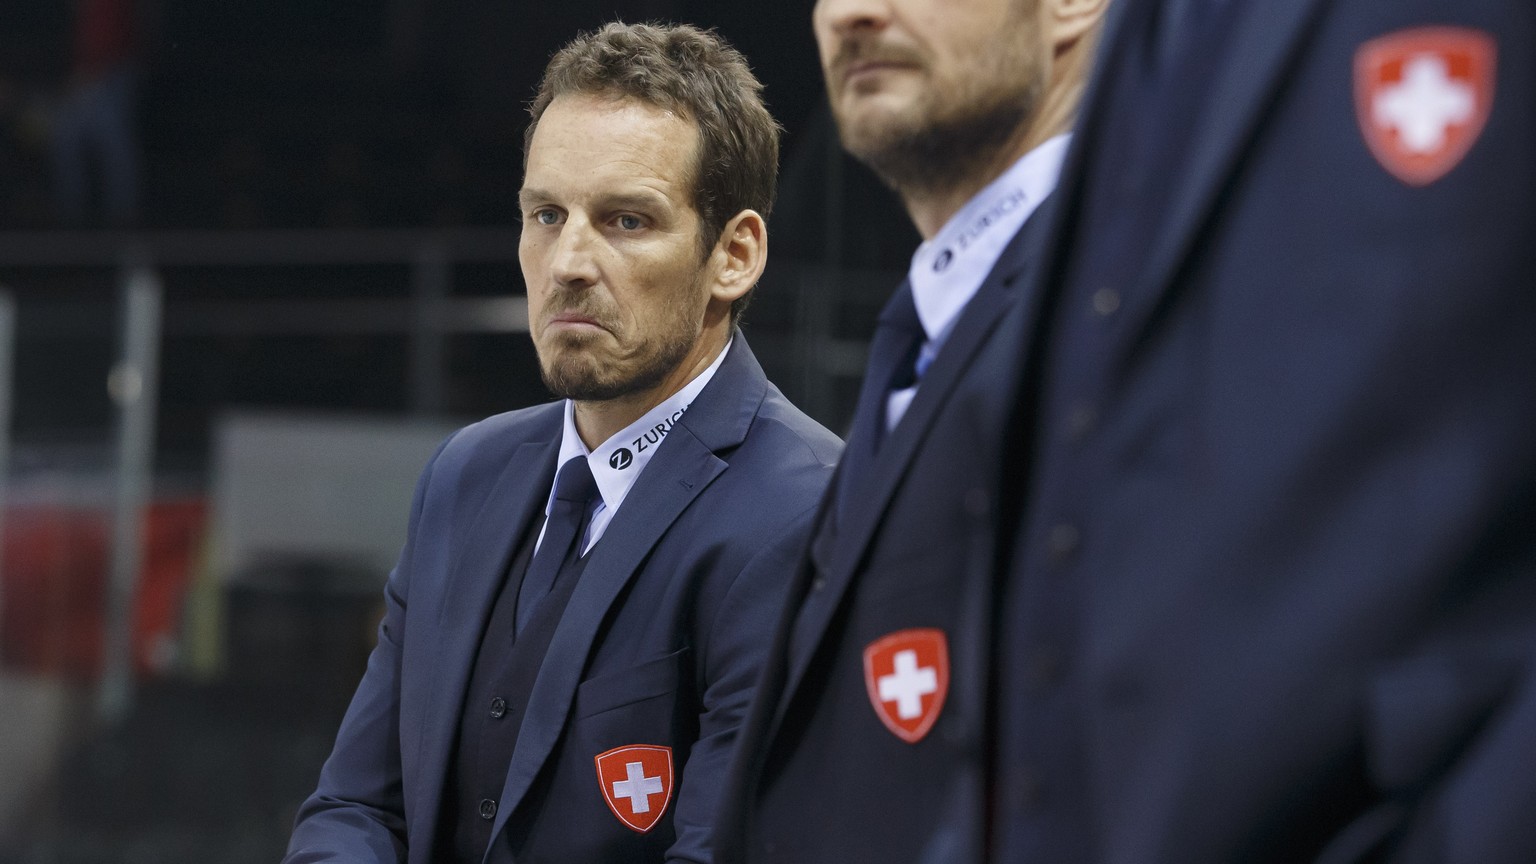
x: 1071, y: 20
x: 740, y: 255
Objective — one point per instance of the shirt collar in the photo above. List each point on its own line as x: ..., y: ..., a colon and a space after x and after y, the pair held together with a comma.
x: 617, y: 462
x: 948, y: 270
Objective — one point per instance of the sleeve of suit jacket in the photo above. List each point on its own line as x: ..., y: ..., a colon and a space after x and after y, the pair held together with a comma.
x: 733, y: 646
x: 1452, y: 722
x: 357, y: 812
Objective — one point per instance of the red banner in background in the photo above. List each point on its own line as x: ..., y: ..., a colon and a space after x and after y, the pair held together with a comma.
x: 53, y: 601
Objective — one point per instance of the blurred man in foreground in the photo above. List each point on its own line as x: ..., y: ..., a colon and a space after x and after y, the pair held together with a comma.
x: 1273, y: 597
x: 868, y: 741
x: 573, y: 629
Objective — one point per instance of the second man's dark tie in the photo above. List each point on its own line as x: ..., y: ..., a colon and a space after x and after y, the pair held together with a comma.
x: 563, y: 530
x: 892, y: 353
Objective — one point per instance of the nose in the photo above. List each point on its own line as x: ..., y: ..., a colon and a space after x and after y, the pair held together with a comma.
x: 846, y: 18
x: 571, y: 260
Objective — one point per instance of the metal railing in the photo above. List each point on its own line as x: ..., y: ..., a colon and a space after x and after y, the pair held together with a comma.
x: 428, y: 315
x: 805, y: 338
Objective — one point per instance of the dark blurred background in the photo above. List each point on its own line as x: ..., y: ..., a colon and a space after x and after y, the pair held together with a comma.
x: 256, y: 259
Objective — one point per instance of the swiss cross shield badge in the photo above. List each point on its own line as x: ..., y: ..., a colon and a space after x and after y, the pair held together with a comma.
x: 1422, y: 97
x: 907, y: 675
x: 637, y: 783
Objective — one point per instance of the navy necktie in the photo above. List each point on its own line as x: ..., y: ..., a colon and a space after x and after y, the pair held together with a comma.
x: 892, y: 355
x: 574, y: 491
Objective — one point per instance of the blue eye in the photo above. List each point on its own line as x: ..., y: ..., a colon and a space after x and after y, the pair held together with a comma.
x: 630, y: 223
x: 546, y: 217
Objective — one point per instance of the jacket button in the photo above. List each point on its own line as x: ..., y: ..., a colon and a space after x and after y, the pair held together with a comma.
x: 1043, y: 668
x: 498, y: 708
x: 1030, y: 791
x: 487, y: 809
x: 1062, y: 542
x: 1106, y: 301
x: 1080, y: 422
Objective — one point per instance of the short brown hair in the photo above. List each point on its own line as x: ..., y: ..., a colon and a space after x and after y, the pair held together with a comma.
x: 696, y: 75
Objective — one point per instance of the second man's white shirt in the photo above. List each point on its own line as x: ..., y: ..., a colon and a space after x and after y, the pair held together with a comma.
x: 948, y: 270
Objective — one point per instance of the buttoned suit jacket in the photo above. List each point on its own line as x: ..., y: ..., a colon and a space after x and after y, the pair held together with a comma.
x: 660, y: 643
x: 1303, y: 515
x: 818, y: 777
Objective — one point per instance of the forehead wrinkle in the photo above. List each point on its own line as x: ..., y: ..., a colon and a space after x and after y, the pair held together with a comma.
x: 626, y: 190
x: 639, y: 160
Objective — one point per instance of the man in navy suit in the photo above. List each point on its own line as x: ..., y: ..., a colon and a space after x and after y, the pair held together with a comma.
x: 867, y: 739
x: 1273, y: 593
x: 575, y: 624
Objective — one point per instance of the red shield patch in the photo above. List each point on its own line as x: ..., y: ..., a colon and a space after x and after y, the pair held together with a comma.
x: 907, y: 675
x: 1422, y: 97
x: 637, y: 783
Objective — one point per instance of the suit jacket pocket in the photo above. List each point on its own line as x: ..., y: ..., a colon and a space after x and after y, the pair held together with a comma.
x: 622, y: 687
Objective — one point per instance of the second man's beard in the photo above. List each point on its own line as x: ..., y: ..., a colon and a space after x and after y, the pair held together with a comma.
x: 922, y: 158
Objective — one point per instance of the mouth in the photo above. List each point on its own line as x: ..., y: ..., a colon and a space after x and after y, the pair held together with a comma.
x: 575, y: 322
x: 864, y: 71
x: 862, y: 63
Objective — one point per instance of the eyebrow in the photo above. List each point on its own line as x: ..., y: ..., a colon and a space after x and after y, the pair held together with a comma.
x: 636, y: 200
x: 526, y: 195
x: 617, y: 200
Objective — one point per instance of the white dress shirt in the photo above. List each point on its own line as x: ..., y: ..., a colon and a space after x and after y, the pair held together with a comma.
x: 948, y: 270
x: 617, y: 462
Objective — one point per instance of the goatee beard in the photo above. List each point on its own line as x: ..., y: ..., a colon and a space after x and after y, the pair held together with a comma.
x: 943, y: 155
x: 581, y: 380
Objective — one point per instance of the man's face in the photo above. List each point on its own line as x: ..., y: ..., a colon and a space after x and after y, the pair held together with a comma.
x: 916, y: 85
x: 610, y: 246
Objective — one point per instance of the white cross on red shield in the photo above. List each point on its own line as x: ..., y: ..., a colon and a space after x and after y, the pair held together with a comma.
x: 636, y: 780
x: 1422, y: 97
x: 907, y: 676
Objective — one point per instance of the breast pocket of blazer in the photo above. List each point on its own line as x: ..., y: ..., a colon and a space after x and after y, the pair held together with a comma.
x: 621, y: 687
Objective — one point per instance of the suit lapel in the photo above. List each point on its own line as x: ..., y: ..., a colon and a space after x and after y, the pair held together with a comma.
x: 895, y: 457
x: 684, y: 465
x: 841, y: 553
x: 468, y: 594
x: 1265, y: 38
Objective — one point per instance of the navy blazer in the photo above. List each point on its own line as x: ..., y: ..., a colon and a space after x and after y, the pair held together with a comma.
x: 1294, y: 530
x: 1304, y: 570
x: 818, y: 777
x: 660, y: 643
